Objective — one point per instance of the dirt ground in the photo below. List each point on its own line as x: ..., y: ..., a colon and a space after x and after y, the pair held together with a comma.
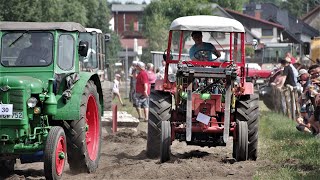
x: 123, y: 157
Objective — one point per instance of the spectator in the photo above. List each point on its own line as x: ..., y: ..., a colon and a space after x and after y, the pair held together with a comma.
x: 304, y: 79
x: 287, y: 76
x: 132, y: 74
x: 289, y: 55
x: 294, y: 70
x: 303, y: 121
x: 151, y: 75
x: 162, y: 70
x: 115, y: 89
x: 142, y: 92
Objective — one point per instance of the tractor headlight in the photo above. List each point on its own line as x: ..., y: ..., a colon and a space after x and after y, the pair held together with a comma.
x: 172, y: 78
x: 32, y: 102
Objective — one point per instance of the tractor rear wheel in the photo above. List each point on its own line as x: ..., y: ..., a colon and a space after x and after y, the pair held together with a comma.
x: 240, y: 143
x: 165, y: 141
x: 84, y: 135
x: 159, y: 110
x: 247, y: 109
x: 55, y: 153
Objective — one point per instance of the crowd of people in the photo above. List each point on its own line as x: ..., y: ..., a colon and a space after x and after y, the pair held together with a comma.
x: 142, y: 80
x: 307, y: 81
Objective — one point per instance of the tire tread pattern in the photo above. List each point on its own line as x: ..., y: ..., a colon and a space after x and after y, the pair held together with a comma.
x: 247, y: 109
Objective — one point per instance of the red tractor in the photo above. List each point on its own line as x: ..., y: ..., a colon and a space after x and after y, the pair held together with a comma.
x: 204, y: 102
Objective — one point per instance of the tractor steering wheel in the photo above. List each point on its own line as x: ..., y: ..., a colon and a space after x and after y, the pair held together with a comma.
x: 203, y: 55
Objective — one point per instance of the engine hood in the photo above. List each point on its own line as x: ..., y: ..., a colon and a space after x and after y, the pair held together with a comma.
x: 35, y: 85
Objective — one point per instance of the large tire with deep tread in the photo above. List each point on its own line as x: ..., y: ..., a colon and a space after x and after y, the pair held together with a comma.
x: 165, y: 141
x: 84, y: 135
x: 159, y: 110
x: 240, y: 143
x: 247, y: 109
x: 55, y: 153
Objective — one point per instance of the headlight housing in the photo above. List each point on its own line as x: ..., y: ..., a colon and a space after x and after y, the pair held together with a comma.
x: 32, y: 102
x: 172, y: 78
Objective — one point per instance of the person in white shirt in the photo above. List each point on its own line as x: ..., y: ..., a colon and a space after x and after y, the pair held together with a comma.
x: 162, y: 70
x: 115, y: 89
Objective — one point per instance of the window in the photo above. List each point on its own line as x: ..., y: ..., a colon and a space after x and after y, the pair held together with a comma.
x: 27, y: 49
x: 66, y: 52
x: 267, y: 32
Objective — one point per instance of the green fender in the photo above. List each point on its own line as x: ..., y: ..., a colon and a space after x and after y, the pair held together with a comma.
x: 71, y: 109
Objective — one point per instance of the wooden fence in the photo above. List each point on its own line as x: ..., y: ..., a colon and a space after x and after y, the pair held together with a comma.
x: 285, y: 101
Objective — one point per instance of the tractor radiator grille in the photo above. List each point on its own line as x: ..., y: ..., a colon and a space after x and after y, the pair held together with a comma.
x: 14, y: 97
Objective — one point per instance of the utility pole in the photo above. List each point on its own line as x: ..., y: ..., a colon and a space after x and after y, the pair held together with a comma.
x: 126, y: 72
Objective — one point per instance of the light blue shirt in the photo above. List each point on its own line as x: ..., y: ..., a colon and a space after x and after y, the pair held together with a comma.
x: 204, y: 47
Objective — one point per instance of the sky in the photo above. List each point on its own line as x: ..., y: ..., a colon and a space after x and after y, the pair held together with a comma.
x: 136, y: 1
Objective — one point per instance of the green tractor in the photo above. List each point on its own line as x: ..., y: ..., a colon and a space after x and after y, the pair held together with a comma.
x: 96, y: 61
x: 50, y: 111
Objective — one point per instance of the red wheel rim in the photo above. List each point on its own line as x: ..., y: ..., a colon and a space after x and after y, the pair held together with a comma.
x: 60, y: 155
x: 92, y: 135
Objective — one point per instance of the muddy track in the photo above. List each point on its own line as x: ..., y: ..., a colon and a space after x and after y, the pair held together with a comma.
x: 123, y: 157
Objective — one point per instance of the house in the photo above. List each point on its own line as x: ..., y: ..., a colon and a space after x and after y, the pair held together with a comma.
x: 127, y: 20
x: 313, y: 18
x: 296, y: 31
x: 265, y: 31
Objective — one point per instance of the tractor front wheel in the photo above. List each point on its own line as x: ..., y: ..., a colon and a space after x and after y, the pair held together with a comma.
x: 165, y: 141
x: 160, y: 110
x: 247, y: 109
x: 240, y: 143
x: 84, y: 135
x: 55, y: 153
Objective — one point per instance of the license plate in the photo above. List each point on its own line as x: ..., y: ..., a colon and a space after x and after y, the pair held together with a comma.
x: 259, y: 81
x: 6, y: 109
x: 15, y: 115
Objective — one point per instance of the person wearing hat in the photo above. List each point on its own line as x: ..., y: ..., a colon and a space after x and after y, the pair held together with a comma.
x: 37, y: 54
x: 199, y: 45
x: 287, y: 76
x: 142, y: 92
x: 115, y: 89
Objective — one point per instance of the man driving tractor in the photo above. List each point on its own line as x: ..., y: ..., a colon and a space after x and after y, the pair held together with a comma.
x: 201, y: 47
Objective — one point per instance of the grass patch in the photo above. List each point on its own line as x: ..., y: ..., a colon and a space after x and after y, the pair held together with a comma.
x: 293, y: 154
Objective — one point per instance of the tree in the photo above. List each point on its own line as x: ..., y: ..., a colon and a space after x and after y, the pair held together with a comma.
x: 231, y: 4
x: 299, y: 7
x: 159, y: 14
x: 113, y: 47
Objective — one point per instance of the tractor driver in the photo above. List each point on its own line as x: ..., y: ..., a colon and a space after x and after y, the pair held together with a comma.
x: 208, y: 48
x: 36, y: 54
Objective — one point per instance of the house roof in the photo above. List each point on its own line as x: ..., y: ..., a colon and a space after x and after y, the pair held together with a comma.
x: 224, y: 13
x: 66, y: 26
x: 129, y: 43
x: 315, y: 10
x: 271, y: 12
x: 255, y: 19
x: 128, y: 7
x: 206, y: 23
